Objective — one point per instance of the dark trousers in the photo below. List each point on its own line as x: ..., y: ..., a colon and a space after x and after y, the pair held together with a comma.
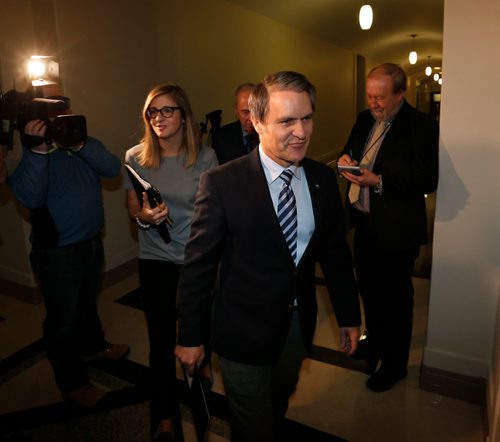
x: 386, y: 289
x: 158, y: 281
x: 70, y: 279
x: 257, y: 395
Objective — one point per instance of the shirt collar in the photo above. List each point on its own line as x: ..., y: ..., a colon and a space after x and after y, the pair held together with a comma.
x: 391, y: 117
x: 273, y: 170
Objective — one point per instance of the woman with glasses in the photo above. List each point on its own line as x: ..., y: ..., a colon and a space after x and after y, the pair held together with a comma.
x: 171, y: 159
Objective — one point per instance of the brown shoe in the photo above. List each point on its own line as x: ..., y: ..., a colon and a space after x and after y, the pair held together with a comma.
x: 86, y: 397
x: 113, y: 352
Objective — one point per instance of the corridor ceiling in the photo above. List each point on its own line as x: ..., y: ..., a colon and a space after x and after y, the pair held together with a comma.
x: 389, y: 38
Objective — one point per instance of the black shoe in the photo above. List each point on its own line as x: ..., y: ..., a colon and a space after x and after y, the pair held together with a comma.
x: 164, y: 436
x: 384, y: 379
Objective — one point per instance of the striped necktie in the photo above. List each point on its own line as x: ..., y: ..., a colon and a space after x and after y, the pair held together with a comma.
x: 360, y: 196
x: 287, y: 212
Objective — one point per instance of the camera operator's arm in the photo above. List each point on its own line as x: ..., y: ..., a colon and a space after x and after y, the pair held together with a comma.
x: 30, y: 181
x: 95, y: 154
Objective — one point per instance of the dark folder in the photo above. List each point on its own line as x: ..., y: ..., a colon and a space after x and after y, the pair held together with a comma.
x: 154, y: 198
x: 199, y: 406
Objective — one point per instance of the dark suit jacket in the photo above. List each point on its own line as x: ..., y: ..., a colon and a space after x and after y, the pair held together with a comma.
x: 228, y: 142
x: 408, y: 163
x: 235, y: 224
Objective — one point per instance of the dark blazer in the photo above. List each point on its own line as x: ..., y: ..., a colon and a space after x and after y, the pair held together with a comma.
x: 235, y: 224
x: 228, y: 142
x: 408, y: 162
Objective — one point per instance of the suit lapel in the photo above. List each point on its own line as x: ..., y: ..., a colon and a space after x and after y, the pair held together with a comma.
x: 262, y: 202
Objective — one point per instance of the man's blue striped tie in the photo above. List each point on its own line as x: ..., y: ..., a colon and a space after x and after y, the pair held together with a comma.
x: 287, y: 212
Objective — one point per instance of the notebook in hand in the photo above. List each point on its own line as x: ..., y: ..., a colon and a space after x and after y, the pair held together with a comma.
x: 154, y: 198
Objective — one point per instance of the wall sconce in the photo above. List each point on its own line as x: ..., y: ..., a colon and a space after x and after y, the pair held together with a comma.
x: 413, y: 57
x: 365, y: 17
x: 42, y: 70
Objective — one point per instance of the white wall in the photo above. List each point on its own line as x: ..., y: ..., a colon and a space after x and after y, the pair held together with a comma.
x: 466, y: 256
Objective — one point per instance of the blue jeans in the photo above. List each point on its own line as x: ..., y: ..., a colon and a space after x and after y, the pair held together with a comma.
x: 70, y: 279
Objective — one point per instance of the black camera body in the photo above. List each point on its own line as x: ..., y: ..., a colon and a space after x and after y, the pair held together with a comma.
x: 18, y: 108
x: 214, y: 118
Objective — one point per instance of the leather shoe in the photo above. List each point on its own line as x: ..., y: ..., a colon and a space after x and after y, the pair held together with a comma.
x: 164, y: 436
x: 384, y: 379
x: 112, y: 352
x: 85, y: 397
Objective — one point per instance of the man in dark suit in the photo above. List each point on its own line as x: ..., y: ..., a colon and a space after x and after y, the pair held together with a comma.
x: 239, y: 137
x: 264, y: 312
x: 396, y: 147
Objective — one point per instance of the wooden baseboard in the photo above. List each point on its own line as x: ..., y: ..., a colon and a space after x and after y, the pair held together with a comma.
x: 33, y: 295
x: 466, y: 388
x: 115, y: 275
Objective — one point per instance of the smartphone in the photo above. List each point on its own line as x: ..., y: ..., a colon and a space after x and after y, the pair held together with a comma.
x: 355, y: 170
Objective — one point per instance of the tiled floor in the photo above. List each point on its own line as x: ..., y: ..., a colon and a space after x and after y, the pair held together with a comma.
x: 328, y: 398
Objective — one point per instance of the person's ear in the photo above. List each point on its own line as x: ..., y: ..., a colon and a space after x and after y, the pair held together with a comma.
x: 257, y: 126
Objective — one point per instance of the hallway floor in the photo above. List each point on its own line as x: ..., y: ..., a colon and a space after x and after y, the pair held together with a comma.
x: 331, y: 402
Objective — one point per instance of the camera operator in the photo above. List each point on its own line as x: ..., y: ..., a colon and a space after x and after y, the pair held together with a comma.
x: 61, y: 186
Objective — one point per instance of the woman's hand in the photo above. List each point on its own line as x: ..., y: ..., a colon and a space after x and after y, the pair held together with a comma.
x: 156, y: 215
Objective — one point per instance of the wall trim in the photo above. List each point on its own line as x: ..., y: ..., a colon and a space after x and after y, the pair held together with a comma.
x: 33, y: 295
x: 20, y: 278
x: 455, y: 385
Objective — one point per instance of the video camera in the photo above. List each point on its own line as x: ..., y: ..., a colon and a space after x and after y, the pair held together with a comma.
x: 18, y: 108
x: 214, y: 118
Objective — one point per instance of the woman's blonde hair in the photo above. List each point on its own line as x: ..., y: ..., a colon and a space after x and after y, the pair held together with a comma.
x: 150, y: 155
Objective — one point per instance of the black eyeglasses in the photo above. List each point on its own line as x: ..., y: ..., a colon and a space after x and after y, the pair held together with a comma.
x: 165, y: 112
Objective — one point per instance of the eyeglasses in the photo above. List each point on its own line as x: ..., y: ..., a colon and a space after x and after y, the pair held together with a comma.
x: 165, y: 112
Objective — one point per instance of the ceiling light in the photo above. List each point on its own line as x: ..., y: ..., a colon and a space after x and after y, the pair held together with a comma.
x: 365, y: 17
x: 412, y: 57
x: 428, y: 69
x: 436, y: 76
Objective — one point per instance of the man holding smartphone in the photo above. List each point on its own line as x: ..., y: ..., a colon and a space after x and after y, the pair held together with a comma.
x: 396, y: 148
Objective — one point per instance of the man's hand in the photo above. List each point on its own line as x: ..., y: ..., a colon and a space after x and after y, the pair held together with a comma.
x: 367, y: 177
x: 190, y: 357
x: 346, y: 160
x: 35, y: 130
x: 349, y: 337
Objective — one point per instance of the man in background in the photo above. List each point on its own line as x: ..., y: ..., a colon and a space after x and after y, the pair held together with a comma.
x: 396, y: 147
x: 239, y: 137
